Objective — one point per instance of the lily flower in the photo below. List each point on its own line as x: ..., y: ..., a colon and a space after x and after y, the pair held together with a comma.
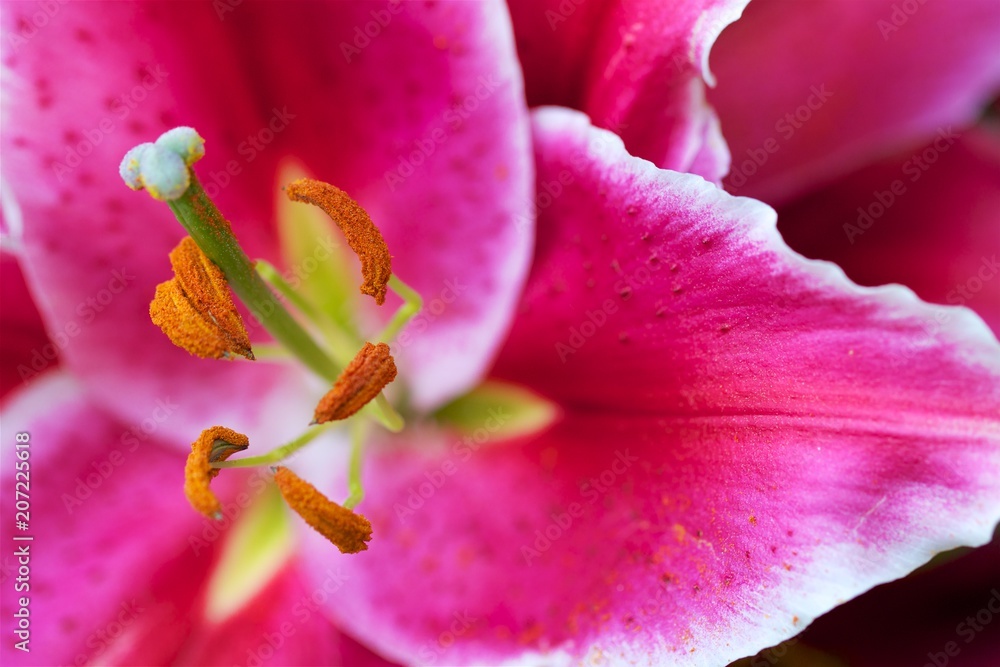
x: 640, y: 429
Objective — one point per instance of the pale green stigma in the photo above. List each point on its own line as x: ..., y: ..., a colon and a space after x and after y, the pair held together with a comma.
x: 161, y: 168
x: 129, y: 168
x: 185, y: 141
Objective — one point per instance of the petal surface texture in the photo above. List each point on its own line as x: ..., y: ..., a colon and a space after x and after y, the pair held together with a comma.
x: 112, y: 577
x: 810, y: 91
x: 26, y: 347
x: 748, y: 440
x: 638, y: 68
x: 928, y: 218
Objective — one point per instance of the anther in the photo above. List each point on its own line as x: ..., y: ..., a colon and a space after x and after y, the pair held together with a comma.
x: 367, y: 375
x: 194, y: 308
x: 361, y: 233
x: 348, y: 531
x: 214, y: 444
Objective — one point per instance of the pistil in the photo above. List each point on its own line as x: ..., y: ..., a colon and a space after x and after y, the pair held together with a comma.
x: 196, y: 311
x: 213, y: 234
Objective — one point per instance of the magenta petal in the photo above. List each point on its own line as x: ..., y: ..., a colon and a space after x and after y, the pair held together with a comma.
x: 934, y: 228
x: 110, y: 559
x: 637, y: 68
x: 748, y: 440
x: 637, y: 536
x: 283, y: 625
x: 24, y: 345
x: 646, y: 82
x: 809, y: 91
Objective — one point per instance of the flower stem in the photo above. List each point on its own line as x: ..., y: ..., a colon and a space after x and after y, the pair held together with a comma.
x: 412, y: 303
x: 381, y: 409
x: 341, y: 343
x: 276, y: 455
x: 355, y: 489
x: 270, y: 353
x: 211, y: 231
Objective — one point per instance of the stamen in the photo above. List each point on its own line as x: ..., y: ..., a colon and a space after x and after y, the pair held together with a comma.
x: 213, y: 234
x: 194, y: 308
x: 348, y: 531
x: 361, y: 233
x: 214, y: 444
x: 363, y: 379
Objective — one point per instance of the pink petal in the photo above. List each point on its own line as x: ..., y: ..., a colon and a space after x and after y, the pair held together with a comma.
x: 725, y: 472
x: 928, y: 218
x: 26, y: 349
x: 283, y: 625
x: 109, y: 559
x: 637, y: 68
x: 808, y: 92
x: 349, y: 121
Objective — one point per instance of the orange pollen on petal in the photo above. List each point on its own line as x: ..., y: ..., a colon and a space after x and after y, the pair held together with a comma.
x: 194, y: 308
x: 214, y: 444
x: 348, y: 531
x: 367, y: 374
x: 362, y: 235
